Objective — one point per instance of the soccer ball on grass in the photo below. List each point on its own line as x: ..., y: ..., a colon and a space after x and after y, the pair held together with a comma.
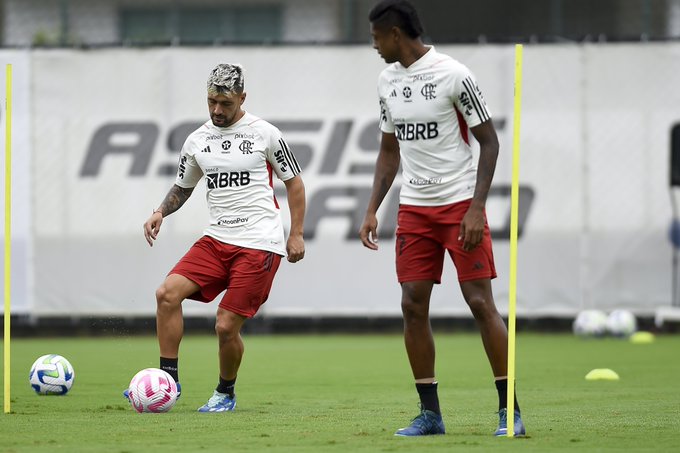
x: 51, y: 374
x: 621, y: 323
x: 152, y: 390
x: 590, y: 323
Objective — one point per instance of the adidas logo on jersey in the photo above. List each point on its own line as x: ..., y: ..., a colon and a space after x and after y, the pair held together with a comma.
x: 393, y: 94
x: 206, y: 149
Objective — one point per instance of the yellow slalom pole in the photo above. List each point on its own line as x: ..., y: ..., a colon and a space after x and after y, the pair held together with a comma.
x: 8, y: 231
x: 514, y: 208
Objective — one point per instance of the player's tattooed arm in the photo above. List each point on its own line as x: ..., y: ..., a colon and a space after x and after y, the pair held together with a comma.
x: 174, y: 199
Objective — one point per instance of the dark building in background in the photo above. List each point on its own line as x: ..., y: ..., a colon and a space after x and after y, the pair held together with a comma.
x: 219, y: 22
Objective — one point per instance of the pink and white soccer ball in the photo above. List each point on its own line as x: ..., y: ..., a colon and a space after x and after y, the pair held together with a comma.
x: 152, y: 390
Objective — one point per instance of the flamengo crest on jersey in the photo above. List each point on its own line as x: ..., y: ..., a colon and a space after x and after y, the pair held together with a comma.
x: 430, y: 107
x: 238, y: 162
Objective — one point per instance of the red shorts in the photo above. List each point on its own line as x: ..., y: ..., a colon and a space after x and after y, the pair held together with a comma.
x: 424, y: 232
x: 247, y: 274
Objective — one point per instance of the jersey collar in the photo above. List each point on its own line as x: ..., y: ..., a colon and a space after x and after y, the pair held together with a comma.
x: 422, y: 61
x: 241, y: 121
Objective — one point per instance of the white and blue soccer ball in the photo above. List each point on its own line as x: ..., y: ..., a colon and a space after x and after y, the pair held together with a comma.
x: 590, y: 323
x: 51, y: 374
x: 621, y: 323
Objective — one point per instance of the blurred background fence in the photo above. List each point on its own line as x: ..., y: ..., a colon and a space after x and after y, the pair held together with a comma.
x: 106, y: 91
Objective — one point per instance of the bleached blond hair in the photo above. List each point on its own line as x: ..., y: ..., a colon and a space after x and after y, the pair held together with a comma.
x: 225, y: 79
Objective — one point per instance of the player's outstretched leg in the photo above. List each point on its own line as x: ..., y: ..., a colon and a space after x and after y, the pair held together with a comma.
x: 170, y: 323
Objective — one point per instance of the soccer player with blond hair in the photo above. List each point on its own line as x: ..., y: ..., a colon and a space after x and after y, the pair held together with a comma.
x: 240, y: 250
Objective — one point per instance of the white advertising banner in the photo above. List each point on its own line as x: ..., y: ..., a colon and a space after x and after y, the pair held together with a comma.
x: 108, y: 124
x: 19, y: 214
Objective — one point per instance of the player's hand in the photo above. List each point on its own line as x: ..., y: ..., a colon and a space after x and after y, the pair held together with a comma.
x: 472, y: 228
x: 368, y: 233
x: 152, y: 226
x: 295, y: 248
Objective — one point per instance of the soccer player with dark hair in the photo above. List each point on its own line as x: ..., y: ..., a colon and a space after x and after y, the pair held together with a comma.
x: 240, y: 250
x: 430, y: 104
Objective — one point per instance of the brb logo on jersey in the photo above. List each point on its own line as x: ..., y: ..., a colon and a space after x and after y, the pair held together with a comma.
x: 416, y: 131
x: 228, y: 179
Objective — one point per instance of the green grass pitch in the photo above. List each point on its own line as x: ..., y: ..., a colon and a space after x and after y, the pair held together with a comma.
x: 349, y: 394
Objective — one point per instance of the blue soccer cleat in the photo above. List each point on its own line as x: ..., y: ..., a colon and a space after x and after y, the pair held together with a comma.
x: 219, y: 402
x: 503, y: 424
x: 126, y: 392
x: 426, y: 423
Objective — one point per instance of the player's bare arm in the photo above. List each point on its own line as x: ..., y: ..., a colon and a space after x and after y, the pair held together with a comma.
x: 386, y: 168
x: 173, y: 201
x: 295, y: 246
x: 472, y: 226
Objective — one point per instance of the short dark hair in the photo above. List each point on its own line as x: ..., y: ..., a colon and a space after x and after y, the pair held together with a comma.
x: 397, y: 13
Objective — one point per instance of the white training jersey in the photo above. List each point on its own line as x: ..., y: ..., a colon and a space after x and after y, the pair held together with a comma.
x: 430, y: 107
x: 238, y: 163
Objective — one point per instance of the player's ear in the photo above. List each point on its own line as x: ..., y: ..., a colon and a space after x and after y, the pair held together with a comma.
x: 395, y: 33
x: 243, y: 97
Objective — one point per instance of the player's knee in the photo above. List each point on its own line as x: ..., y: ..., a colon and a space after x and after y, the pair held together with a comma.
x: 413, y: 309
x: 481, y: 307
x: 165, y: 297
x: 414, y: 302
x: 225, y: 329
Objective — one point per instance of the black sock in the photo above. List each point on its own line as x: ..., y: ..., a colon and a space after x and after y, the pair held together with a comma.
x: 170, y: 367
x: 226, y: 386
x: 428, y: 397
x: 502, y: 387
